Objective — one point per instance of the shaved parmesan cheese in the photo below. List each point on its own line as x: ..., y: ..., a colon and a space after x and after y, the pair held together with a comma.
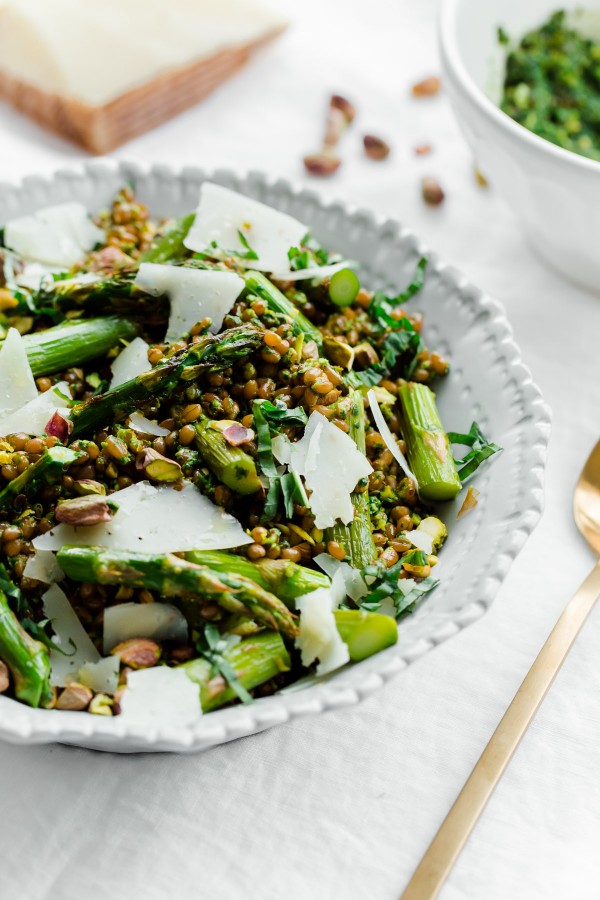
x: 281, y: 447
x: 159, y: 621
x: 160, y: 696
x: 17, y: 386
x: 193, y: 294
x: 318, y: 272
x: 388, y: 437
x: 319, y: 637
x: 102, y: 676
x: 331, y: 465
x: 353, y: 582
x: 223, y: 214
x: 71, y: 637
x: 35, y: 415
x: 130, y: 362
x: 42, y: 566
x: 145, y: 426
x: 421, y: 540
x: 57, y: 235
x: 154, y: 520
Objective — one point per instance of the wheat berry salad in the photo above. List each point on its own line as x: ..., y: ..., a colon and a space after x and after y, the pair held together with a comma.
x: 221, y: 458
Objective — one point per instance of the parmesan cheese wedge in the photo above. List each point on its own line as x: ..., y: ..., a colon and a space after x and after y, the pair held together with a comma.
x: 131, y: 362
x: 332, y: 465
x: 154, y: 520
x: 319, y: 637
x: 42, y: 566
x: 193, y: 294
x: 159, y: 621
x: 101, y: 676
x: 17, y: 385
x: 33, y: 417
x: 70, y: 636
x: 160, y: 696
x: 223, y: 215
x: 143, y: 425
x: 55, y: 236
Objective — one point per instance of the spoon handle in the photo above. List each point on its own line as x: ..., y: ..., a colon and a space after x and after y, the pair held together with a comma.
x: 445, y: 847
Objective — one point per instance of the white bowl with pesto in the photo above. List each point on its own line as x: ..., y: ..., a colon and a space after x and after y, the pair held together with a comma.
x: 553, y: 192
x: 488, y: 383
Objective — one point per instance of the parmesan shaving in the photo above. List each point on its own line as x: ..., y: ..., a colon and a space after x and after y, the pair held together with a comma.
x: 101, y: 676
x: 143, y: 425
x: 159, y: 621
x: 56, y: 235
x: 42, y: 566
x: 33, y: 417
x: 317, y: 272
x: 421, y: 540
x: 131, y: 362
x: 194, y: 294
x: 160, y: 696
x: 223, y: 214
x: 354, y: 584
x: 17, y: 385
x: 332, y: 466
x: 319, y: 637
x: 388, y: 437
x: 154, y: 520
x: 70, y: 636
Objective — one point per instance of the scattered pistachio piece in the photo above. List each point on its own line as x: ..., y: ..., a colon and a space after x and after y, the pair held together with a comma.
x: 59, y: 427
x: 138, y: 653
x: 432, y: 192
x: 345, y: 107
x: 101, y: 705
x: 481, y: 179
x: 236, y: 434
x: 337, y: 352
x: 375, y: 147
x: 4, y: 677
x: 428, y: 87
x: 75, y: 696
x: 90, y: 510
x: 423, y: 149
x: 86, y: 486
x: 156, y: 466
x: 323, y: 163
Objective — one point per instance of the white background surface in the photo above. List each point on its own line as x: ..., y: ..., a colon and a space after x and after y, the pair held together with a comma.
x: 343, y: 805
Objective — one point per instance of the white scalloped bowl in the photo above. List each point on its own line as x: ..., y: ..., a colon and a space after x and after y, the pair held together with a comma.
x: 488, y: 383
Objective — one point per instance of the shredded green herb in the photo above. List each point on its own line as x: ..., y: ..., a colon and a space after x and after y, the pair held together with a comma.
x: 481, y: 449
x: 212, y: 646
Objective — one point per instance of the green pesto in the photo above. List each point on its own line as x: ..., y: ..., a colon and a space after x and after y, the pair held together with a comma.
x: 552, y: 85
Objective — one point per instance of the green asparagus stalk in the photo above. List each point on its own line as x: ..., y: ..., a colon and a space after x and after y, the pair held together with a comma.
x: 173, y: 577
x: 365, y: 633
x: 169, y: 245
x: 211, y: 353
x: 254, y: 660
x: 259, y: 284
x: 116, y: 295
x: 357, y: 537
x: 282, y: 577
x: 26, y: 658
x: 47, y: 470
x: 73, y: 343
x: 232, y: 465
x: 427, y: 445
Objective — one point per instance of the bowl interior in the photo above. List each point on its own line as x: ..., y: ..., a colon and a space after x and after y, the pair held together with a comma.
x: 488, y: 383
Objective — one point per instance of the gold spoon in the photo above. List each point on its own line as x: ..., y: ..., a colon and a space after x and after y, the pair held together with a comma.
x: 444, y: 849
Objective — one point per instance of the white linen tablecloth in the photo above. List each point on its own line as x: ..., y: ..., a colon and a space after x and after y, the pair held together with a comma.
x: 343, y: 805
